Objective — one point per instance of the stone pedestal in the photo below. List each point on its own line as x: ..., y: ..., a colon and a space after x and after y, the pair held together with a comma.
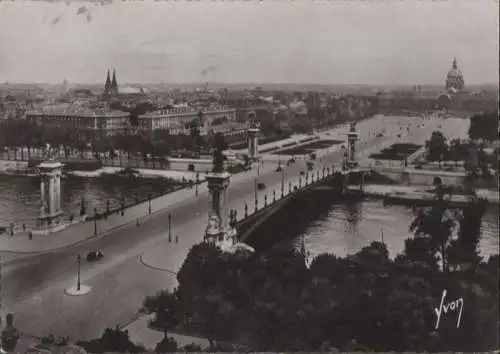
x: 50, y: 195
x: 218, y: 228
x: 253, y: 143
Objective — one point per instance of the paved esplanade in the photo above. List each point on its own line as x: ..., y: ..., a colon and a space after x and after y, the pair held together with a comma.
x: 33, y: 286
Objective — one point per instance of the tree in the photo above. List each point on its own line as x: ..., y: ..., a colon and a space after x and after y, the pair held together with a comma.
x: 436, y: 146
x: 484, y: 126
x: 165, y: 308
x: 112, y: 340
x: 436, y: 224
x: 167, y: 345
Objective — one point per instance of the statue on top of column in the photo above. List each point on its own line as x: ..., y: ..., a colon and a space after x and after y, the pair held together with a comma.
x: 353, y: 127
x: 218, y: 156
x: 48, y: 154
x: 252, y: 120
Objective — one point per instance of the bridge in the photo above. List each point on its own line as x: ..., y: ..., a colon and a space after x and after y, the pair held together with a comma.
x: 141, y: 259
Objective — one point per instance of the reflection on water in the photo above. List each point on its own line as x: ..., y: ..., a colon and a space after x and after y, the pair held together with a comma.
x: 20, y: 196
x: 351, y: 226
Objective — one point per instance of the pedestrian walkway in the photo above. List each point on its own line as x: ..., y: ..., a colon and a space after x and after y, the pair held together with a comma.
x: 139, y: 332
x: 422, y: 192
x: 20, y: 243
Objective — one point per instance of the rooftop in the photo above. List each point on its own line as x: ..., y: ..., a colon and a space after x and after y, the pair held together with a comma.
x: 77, y: 110
x: 185, y: 111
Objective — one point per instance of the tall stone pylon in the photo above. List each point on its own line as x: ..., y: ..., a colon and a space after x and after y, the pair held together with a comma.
x: 50, y: 193
x: 352, y: 138
x: 253, y: 138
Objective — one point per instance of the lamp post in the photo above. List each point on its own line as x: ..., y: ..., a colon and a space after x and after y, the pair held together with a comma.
x: 149, y: 203
x: 255, y: 194
x: 265, y: 200
x: 382, y: 235
x: 196, y: 190
x: 246, y: 210
x: 282, y: 183
x: 169, y: 227
x: 79, y: 260
x: 289, y: 187
x: 95, y: 221
x: 274, y: 195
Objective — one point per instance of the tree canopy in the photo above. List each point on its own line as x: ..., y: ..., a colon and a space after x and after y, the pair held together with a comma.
x: 484, y: 126
x: 272, y: 301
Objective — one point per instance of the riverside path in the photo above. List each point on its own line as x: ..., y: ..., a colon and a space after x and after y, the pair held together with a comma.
x: 139, y: 260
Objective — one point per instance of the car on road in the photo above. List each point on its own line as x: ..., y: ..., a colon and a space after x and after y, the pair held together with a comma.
x: 302, y: 173
x: 292, y: 160
x: 279, y: 169
x: 261, y: 186
x: 94, y: 256
x: 379, y: 135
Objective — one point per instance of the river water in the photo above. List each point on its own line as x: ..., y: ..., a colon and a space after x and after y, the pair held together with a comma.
x: 345, y: 229
x: 349, y: 227
x: 20, y: 196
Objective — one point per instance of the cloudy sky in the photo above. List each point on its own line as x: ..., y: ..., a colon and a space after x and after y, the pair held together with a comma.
x: 303, y: 41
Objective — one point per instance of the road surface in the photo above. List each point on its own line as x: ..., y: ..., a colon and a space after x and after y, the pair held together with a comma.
x: 33, y: 286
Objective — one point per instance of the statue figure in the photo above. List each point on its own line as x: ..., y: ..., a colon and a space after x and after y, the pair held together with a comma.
x: 9, y: 335
x: 353, y: 126
x: 43, y: 208
x: 213, y: 228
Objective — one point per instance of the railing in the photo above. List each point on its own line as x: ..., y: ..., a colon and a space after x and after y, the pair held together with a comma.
x: 279, y: 196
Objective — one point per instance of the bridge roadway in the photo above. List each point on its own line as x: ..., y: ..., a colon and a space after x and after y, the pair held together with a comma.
x: 33, y: 286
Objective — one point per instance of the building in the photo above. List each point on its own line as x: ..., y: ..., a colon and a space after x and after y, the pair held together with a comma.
x: 89, y: 124
x: 454, y: 79
x: 177, y: 120
x: 111, y: 86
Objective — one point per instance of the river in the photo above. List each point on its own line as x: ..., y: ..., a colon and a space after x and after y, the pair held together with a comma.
x: 346, y: 228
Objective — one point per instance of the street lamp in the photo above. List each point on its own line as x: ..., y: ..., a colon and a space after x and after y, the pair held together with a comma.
x: 274, y: 195
x: 79, y: 260
x: 289, y: 187
x: 149, y: 204
x: 196, y: 190
x: 169, y: 227
x: 255, y: 190
x: 95, y: 221
x: 282, y: 183
x: 246, y: 210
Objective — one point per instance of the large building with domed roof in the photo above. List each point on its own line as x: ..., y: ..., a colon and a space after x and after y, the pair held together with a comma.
x: 454, y: 79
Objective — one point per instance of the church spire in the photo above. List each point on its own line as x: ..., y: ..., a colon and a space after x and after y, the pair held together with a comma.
x: 455, y: 66
x: 107, y: 85
x: 113, y: 82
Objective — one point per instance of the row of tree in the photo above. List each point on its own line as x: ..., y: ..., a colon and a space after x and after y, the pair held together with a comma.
x: 27, y: 136
x: 273, y: 302
x: 471, y: 152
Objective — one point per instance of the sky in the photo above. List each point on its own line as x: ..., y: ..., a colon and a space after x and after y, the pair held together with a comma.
x: 385, y: 42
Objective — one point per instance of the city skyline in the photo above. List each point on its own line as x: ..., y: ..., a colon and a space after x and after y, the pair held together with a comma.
x: 324, y: 43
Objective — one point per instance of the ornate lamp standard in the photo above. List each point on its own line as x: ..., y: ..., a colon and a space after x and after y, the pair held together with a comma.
x: 79, y: 260
x: 95, y: 221
x: 282, y: 183
x: 169, y: 227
